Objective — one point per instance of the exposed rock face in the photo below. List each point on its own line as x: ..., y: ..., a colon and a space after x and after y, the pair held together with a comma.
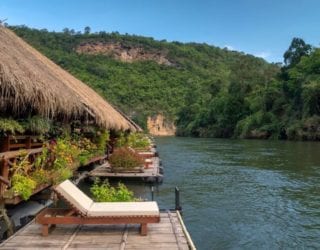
x: 158, y: 126
x: 122, y: 52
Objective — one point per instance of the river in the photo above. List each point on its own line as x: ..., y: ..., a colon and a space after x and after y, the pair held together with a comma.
x: 243, y: 194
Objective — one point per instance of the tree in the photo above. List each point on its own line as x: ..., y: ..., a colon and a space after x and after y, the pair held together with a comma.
x: 87, y: 30
x: 66, y: 31
x: 298, y: 48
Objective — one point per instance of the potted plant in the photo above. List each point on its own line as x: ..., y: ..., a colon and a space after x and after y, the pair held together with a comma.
x: 125, y: 159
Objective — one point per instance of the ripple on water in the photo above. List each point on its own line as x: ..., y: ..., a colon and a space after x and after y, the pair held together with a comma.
x: 239, y: 194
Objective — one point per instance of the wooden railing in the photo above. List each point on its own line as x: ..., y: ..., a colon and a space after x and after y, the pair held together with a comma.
x: 7, y: 159
x: 11, y: 142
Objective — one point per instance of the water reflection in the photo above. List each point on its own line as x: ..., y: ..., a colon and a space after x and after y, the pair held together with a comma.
x: 245, y: 194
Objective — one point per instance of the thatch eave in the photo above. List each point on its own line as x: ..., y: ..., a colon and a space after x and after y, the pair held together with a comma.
x: 30, y: 80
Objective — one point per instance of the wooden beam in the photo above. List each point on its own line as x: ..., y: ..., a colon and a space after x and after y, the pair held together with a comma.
x: 16, y: 153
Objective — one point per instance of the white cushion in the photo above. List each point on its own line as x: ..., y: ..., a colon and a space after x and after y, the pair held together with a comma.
x: 95, y: 209
x: 146, y: 153
x: 149, y: 208
x: 75, y: 196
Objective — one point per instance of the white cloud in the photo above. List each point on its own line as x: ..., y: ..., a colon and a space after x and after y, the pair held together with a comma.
x: 263, y: 54
x: 229, y: 47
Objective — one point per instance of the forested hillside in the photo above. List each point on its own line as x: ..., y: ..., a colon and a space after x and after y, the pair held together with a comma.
x: 205, y: 90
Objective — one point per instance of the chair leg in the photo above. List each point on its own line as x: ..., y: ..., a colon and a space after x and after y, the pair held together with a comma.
x: 144, y: 229
x: 45, y: 230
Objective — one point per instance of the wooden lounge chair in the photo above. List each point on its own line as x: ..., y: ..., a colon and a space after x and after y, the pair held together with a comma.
x: 84, y: 211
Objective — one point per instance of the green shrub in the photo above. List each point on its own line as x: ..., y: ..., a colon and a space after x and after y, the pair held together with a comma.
x: 23, y: 185
x: 308, y: 129
x: 258, y: 125
x: 121, y: 140
x: 41, y: 176
x: 37, y: 125
x: 87, y: 150
x: 293, y: 131
x: 83, y: 159
x: 57, y: 160
x: 65, y: 153
x: 138, y: 141
x: 10, y: 126
x: 102, y: 140
x: 133, y: 140
x: 103, y: 192
x: 125, y: 158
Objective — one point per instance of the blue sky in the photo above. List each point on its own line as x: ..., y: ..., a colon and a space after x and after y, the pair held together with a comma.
x: 260, y: 27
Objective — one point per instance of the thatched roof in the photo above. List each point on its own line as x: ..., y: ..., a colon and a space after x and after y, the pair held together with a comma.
x: 30, y: 81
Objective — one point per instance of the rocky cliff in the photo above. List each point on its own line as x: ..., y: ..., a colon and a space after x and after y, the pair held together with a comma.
x: 159, y: 126
x: 122, y: 52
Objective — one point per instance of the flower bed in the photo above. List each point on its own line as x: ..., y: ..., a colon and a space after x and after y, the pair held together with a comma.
x: 126, y: 160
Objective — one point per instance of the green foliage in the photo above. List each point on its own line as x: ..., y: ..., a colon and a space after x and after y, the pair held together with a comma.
x: 60, y: 158
x: 43, y: 159
x: 125, y: 159
x: 61, y: 174
x: 102, y: 140
x: 298, y: 48
x: 103, y: 192
x: 293, y: 131
x: 138, y: 141
x: 311, y: 98
x: 55, y: 164
x: 41, y: 176
x: 10, y: 127
x: 145, y: 88
x: 65, y: 153
x: 37, y: 125
x: 24, y: 181
x: 133, y: 140
x: 121, y: 140
x: 23, y: 185
x: 259, y: 125
x: 307, y: 129
x: 205, y: 90
x: 90, y: 148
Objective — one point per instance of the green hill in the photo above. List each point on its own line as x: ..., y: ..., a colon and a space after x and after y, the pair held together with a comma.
x: 204, y: 90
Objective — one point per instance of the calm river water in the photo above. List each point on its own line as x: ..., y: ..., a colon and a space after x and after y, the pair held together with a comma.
x: 243, y: 194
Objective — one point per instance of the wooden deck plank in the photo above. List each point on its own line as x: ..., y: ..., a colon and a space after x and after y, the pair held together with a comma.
x: 167, y: 234
x: 98, y: 247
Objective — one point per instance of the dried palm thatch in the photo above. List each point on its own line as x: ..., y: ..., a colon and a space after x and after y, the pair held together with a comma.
x: 30, y: 82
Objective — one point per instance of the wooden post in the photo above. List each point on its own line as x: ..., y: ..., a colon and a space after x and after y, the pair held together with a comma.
x: 6, y: 218
x: 3, y: 212
x: 45, y: 230
x: 4, y: 174
x: 28, y: 142
x: 177, y: 199
x: 144, y: 229
x: 152, y: 193
x: 5, y: 144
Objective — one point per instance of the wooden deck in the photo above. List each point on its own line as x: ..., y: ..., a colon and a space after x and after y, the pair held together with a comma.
x: 170, y: 233
x: 151, y: 174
